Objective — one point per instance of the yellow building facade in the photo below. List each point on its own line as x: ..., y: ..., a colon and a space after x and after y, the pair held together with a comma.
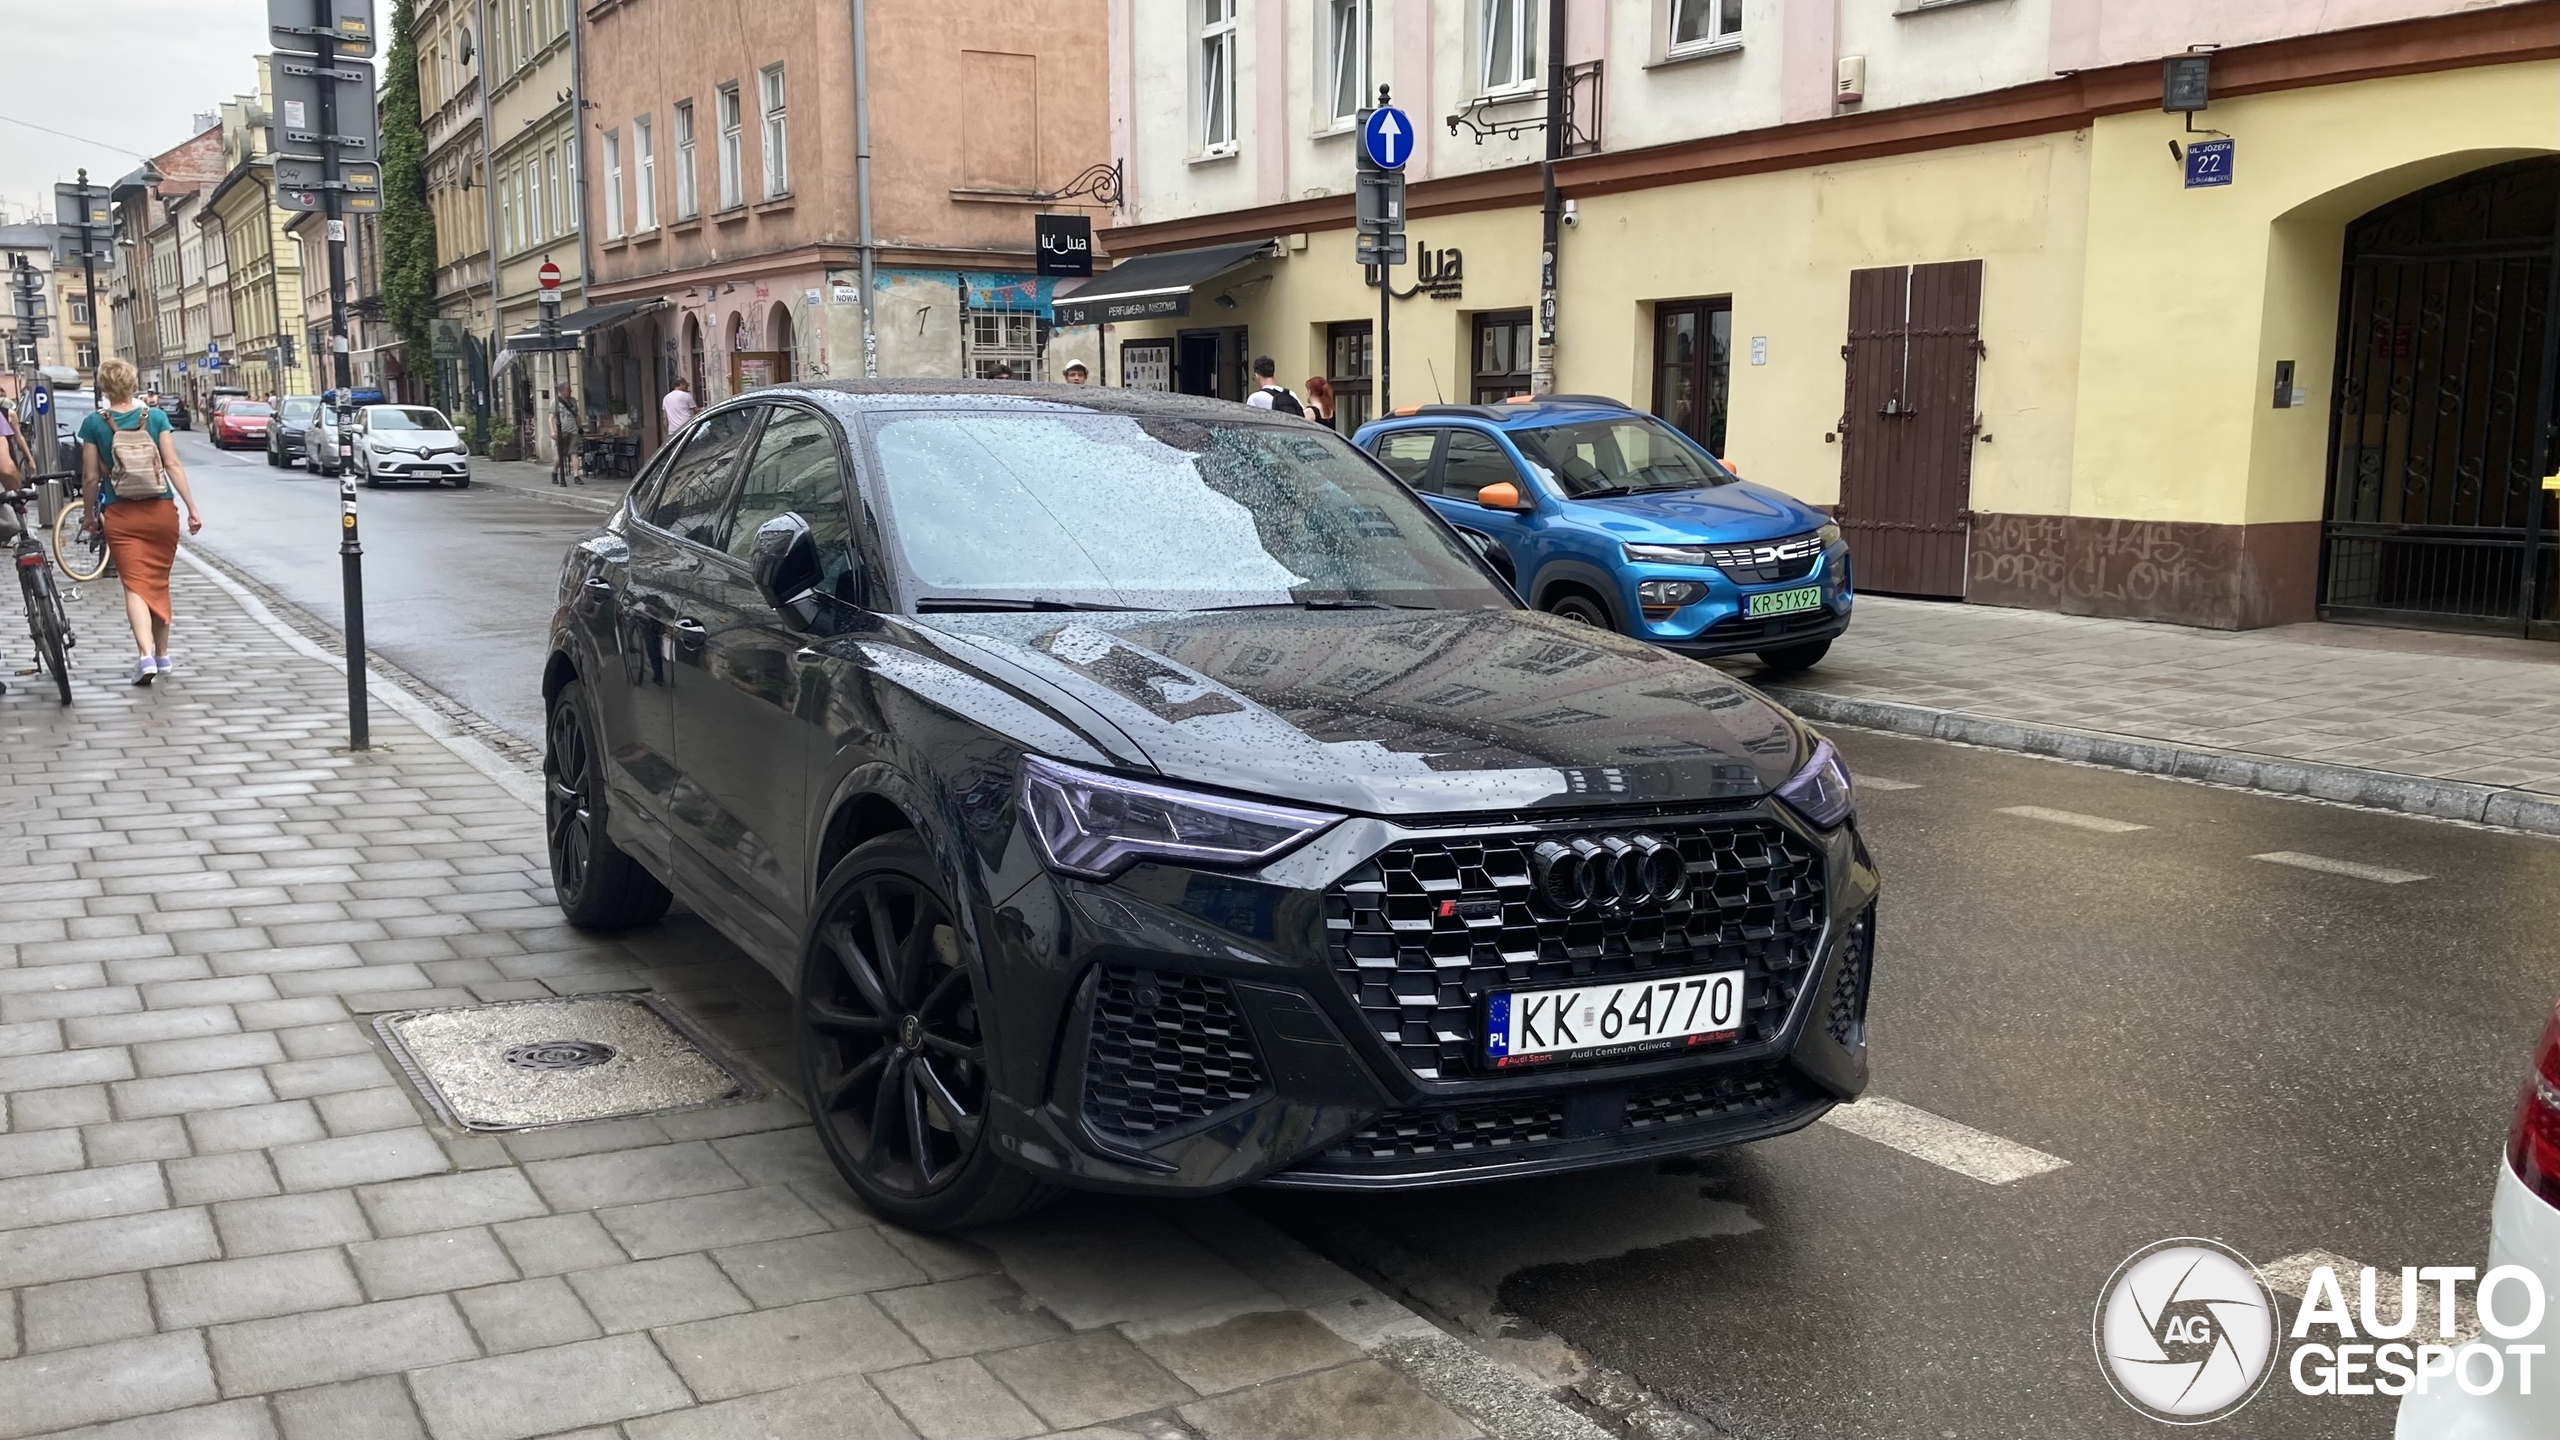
x: 2129, y: 449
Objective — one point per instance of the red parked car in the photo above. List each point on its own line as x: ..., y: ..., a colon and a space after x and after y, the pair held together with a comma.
x: 239, y: 423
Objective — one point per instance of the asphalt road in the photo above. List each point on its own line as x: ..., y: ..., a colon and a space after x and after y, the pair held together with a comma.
x: 2285, y: 1059
x: 458, y: 584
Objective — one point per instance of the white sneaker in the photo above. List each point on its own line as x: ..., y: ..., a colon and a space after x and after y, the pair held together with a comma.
x: 164, y: 664
x: 144, y: 672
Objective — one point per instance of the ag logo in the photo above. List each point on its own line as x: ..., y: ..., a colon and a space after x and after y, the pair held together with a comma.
x: 2186, y: 1331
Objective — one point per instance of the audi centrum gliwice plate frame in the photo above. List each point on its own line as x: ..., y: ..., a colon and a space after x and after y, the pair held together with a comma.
x: 1140, y: 793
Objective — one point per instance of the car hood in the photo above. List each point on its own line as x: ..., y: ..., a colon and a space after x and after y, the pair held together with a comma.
x: 417, y: 439
x: 1721, y: 514
x: 1396, y: 712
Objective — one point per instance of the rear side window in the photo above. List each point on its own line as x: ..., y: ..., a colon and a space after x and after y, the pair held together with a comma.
x: 695, y: 498
x: 796, y: 470
x: 1474, y: 461
x: 1408, y: 453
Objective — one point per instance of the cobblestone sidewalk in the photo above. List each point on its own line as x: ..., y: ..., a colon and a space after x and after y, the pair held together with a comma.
x: 2446, y: 718
x: 224, y: 1214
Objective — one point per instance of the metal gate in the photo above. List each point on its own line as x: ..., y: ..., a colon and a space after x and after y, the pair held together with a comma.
x: 1908, y: 426
x: 2445, y: 332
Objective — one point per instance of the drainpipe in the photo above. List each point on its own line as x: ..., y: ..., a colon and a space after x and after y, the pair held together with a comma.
x: 1542, y: 378
x: 862, y: 184
x: 586, y: 257
x: 487, y: 398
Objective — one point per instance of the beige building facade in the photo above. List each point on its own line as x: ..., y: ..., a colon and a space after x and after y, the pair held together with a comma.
x: 450, y: 44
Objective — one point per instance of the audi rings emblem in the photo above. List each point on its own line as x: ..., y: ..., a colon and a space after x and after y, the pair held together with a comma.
x: 1607, y: 872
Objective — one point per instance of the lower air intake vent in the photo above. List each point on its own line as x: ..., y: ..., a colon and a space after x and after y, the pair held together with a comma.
x: 1166, y: 1050
x: 1849, y: 995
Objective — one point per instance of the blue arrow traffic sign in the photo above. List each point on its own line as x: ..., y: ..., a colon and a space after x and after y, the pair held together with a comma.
x: 1387, y: 138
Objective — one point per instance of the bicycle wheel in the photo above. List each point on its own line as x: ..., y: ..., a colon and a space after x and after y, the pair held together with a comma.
x: 82, y: 557
x: 52, y: 632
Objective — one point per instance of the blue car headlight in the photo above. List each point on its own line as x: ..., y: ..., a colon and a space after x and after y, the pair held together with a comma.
x: 1096, y: 825
x: 1829, y: 534
x: 1820, y: 792
x: 1667, y: 554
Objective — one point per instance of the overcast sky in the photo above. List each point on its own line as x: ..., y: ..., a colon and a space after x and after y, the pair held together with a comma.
x: 123, y: 75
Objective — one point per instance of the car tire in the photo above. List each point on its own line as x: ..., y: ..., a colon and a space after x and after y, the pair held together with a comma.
x: 462, y: 484
x: 1581, y: 608
x: 1787, y: 659
x: 597, y: 884
x: 274, y: 461
x: 892, y: 1056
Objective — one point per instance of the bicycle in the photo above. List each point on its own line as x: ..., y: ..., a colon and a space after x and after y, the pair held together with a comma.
x: 82, y: 553
x: 46, y: 621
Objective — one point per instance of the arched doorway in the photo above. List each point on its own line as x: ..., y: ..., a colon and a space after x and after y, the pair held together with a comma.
x: 693, y: 369
x: 779, y: 338
x: 2443, y: 319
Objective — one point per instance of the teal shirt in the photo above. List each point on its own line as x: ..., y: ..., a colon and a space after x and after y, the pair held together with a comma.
x: 93, y: 433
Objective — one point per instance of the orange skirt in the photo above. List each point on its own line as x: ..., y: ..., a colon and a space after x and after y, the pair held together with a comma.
x: 142, y: 536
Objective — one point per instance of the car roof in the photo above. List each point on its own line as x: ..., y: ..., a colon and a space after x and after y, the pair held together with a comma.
x: 1032, y: 395
x: 1542, y: 410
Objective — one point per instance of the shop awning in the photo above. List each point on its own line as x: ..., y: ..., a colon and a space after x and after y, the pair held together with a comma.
x: 1148, y: 287
x: 586, y: 321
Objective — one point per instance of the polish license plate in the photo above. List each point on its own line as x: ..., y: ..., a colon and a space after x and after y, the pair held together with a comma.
x: 1525, y: 1027
x: 1784, y: 602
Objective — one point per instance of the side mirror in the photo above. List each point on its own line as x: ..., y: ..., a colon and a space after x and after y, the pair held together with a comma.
x: 786, y: 563
x: 1501, y: 495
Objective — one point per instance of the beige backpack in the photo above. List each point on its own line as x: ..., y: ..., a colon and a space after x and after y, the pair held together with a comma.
x: 135, y: 472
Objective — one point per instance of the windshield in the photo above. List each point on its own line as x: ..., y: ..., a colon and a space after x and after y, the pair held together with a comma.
x: 1141, y: 512
x: 300, y: 409
x: 1625, y: 455
x: 406, y: 417
x: 247, y: 410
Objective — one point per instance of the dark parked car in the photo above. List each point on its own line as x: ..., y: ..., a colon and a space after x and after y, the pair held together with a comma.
x: 285, y: 436
x: 1142, y: 793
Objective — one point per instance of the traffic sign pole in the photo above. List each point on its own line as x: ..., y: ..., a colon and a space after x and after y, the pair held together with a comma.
x: 1387, y: 140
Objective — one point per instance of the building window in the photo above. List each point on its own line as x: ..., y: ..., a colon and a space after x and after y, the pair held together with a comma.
x: 507, y: 214
x: 1347, y: 57
x: 1503, y: 352
x: 551, y: 175
x: 1218, y: 77
x: 777, y: 135
x: 1350, y: 361
x: 1692, y: 367
x: 644, y: 155
x: 1507, y: 38
x: 86, y: 359
x: 613, y: 184
x: 732, y: 195
x: 569, y: 181
x: 684, y: 160
x: 1004, y: 345
x: 533, y: 212
x: 1704, y: 24
x: 79, y: 307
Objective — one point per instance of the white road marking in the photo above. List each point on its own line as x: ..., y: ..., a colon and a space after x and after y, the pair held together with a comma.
x: 2291, y: 1277
x: 1942, y: 1142
x: 2379, y: 874
x: 1878, y: 782
x: 2072, y: 818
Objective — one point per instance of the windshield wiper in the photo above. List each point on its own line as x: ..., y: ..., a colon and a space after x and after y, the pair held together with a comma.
x: 976, y: 602
x: 1324, y: 605
x: 1603, y: 493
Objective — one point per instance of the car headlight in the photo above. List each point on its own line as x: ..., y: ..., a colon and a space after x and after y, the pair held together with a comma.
x: 1820, y: 791
x: 1097, y: 825
x: 1829, y: 534
x: 1667, y: 554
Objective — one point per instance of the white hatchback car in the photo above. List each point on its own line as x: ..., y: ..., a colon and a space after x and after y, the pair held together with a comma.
x: 409, y: 442
x: 2524, y: 1230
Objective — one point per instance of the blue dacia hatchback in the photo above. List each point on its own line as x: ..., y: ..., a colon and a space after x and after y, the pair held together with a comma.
x: 1609, y: 516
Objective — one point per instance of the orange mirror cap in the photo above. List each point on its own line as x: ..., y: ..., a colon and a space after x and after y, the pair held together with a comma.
x: 1500, y: 495
x: 1727, y: 462
x: 1519, y: 399
x: 1404, y: 410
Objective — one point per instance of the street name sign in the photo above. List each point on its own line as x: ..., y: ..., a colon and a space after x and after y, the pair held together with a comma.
x: 2209, y: 163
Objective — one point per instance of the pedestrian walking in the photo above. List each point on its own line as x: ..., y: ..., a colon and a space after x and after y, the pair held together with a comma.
x: 1075, y: 373
x: 128, y: 466
x: 1320, y: 400
x: 564, y: 440
x: 1272, y: 395
x: 678, y: 406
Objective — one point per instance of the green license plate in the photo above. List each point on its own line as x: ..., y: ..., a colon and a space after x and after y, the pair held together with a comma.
x: 1784, y: 602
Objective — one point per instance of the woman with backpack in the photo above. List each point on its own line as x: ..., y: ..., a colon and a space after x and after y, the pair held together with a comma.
x: 128, y: 465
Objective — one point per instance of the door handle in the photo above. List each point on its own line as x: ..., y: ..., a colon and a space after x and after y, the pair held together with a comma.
x: 690, y: 634
x: 598, y: 582
x: 806, y: 656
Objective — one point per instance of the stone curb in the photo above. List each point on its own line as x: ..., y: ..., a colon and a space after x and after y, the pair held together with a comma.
x: 1500, y: 1398
x: 2342, y: 784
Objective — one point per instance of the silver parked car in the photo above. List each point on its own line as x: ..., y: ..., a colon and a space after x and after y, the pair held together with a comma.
x: 409, y: 442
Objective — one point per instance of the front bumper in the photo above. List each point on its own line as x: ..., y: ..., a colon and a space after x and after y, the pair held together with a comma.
x: 412, y: 467
x: 1719, y: 623
x: 1204, y: 1031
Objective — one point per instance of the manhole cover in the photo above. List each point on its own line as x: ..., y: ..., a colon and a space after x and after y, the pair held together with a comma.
x: 521, y: 1064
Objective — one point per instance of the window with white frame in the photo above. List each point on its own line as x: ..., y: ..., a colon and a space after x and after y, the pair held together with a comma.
x: 533, y: 211
x: 1347, y: 57
x: 559, y: 195
x: 644, y: 157
x: 777, y: 134
x: 507, y: 216
x: 732, y: 182
x: 1218, y: 76
x: 1507, y: 42
x: 526, y: 27
x: 1704, y: 24
x: 685, y: 206
x: 613, y: 184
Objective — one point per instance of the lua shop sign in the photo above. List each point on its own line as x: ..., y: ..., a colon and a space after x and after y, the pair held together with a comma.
x: 1439, y: 274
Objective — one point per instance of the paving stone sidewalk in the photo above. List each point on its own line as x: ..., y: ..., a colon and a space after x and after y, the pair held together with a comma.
x: 223, y: 1213
x: 2441, y: 713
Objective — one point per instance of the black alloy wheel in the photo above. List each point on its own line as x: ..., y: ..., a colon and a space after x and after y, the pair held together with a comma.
x: 598, y: 886
x: 893, y: 1056
x: 1581, y: 609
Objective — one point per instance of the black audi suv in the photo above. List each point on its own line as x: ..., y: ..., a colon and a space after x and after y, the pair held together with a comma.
x: 1144, y: 793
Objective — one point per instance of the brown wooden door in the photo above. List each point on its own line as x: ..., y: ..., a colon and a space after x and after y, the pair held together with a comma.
x: 1907, y: 429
